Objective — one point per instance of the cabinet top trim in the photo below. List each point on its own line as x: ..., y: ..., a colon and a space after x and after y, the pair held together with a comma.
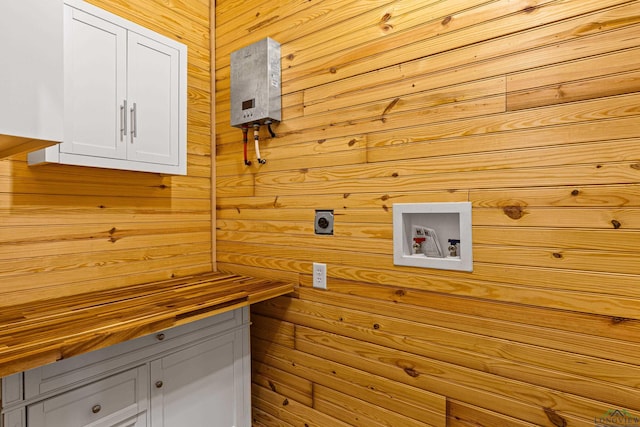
x: 125, y: 23
x: 42, y: 332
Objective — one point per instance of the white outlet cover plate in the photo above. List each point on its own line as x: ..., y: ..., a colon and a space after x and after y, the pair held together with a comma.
x: 319, y: 275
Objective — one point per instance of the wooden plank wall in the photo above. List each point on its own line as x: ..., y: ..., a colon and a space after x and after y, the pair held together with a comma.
x: 529, y: 109
x: 67, y: 229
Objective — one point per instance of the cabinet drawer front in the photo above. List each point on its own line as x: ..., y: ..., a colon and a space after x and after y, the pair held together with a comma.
x: 116, y: 420
x: 120, y: 396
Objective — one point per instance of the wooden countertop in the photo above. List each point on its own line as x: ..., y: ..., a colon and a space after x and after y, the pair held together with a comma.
x: 45, y: 331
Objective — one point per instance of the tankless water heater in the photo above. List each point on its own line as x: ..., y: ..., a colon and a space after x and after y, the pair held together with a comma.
x: 255, y: 84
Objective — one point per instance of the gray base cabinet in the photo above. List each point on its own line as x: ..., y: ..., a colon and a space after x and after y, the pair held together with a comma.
x: 195, y: 375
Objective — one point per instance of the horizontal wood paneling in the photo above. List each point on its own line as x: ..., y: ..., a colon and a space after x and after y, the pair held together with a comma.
x: 529, y: 110
x: 460, y: 348
x: 66, y: 229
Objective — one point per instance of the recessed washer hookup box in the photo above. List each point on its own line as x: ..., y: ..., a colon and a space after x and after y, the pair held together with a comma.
x: 433, y: 235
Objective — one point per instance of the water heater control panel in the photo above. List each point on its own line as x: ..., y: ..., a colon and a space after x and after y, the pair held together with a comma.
x: 255, y: 84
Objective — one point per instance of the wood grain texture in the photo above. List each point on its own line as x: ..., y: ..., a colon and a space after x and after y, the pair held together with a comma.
x: 527, y: 109
x: 44, y: 331
x: 11, y: 145
x: 67, y: 229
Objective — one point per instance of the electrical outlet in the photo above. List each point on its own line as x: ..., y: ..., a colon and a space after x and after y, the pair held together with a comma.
x: 324, y: 221
x: 319, y: 275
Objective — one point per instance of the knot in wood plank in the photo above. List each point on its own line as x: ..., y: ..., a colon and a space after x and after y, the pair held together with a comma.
x: 514, y: 211
x: 384, y: 25
x: 390, y: 106
x: 411, y: 372
x: 556, y: 419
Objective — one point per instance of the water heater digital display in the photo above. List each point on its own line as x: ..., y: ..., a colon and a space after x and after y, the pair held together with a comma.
x: 248, y: 104
x: 255, y: 84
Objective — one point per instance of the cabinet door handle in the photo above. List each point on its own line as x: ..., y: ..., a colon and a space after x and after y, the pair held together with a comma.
x: 160, y: 337
x: 96, y: 408
x: 159, y: 384
x: 123, y: 119
x: 134, y: 122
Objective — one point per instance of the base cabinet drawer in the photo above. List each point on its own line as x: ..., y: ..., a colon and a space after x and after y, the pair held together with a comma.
x: 116, y: 400
x: 139, y: 420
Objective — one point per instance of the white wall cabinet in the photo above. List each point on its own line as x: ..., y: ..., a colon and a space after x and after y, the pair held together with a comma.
x: 124, y: 95
x: 31, y: 75
x: 196, y: 374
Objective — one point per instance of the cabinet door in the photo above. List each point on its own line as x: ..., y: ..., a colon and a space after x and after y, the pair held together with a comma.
x: 95, y: 60
x: 154, y: 91
x: 203, y: 385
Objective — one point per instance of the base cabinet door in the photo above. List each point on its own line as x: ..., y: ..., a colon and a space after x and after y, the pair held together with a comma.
x: 203, y: 385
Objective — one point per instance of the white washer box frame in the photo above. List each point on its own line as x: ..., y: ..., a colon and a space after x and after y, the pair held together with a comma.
x: 431, y: 215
